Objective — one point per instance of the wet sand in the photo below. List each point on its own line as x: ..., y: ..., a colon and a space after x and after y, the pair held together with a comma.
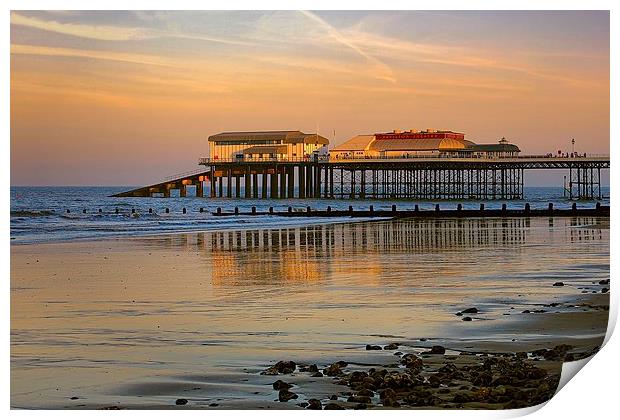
x: 142, y: 323
x: 584, y: 329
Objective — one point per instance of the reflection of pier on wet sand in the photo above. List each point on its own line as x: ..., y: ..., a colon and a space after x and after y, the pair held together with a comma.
x: 309, y: 253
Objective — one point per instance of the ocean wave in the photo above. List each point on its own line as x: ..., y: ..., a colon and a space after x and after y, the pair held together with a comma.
x: 32, y: 213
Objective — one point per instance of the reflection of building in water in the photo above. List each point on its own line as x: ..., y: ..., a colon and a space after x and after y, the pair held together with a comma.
x: 310, y: 253
x: 274, y: 255
x: 407, y: 234
x: 588, y: 229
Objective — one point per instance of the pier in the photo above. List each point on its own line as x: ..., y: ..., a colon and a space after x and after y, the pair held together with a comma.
x: 424, y: 177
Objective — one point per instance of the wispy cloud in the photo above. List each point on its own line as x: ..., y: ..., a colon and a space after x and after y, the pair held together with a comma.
x: 92, y: 54
x: 458, y: 56
x: 100, y: 32
x: 381, y: 70
x: 113, y: 33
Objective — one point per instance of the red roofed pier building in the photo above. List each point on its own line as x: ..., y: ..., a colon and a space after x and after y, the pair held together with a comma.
x: 413, y: 143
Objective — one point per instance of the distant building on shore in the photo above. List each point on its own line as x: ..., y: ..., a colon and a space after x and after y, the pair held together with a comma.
x: 257, y: 145
x: 415, y: 143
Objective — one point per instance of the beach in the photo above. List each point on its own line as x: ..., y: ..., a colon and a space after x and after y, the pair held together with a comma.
x: 191, y: 320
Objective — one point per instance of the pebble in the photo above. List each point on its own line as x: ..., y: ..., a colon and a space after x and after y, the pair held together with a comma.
x: 411, y: 361
x: 391, y: 346
x: 181, y: 401
x: 333, y: 406
x: 314, y: 404
x: 278, y: 385
x: 372, y: 347
x: 309, y: 368
x: 283, y: 367
x: 388, y: 393
x: 558, y: 284
x: 285, y: 395
x: 361, y: 399
x: 470, y: 311
x: 332, y: 370
x: 467, y: 318
x: 390, y: 402
x: 436, y: 350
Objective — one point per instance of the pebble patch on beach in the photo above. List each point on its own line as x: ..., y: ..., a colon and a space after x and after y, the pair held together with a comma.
x: 432, y: 379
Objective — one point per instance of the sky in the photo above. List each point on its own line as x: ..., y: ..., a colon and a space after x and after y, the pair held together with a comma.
x: 128, y: 98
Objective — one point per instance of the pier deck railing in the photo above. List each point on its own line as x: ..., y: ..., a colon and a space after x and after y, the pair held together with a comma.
x: 344, y: 159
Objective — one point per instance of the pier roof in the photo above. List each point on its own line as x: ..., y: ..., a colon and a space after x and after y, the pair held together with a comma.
x: 360, y: 142
x: 283, y: 136
x: 501, y: 147
x: 377, y: 143
x: 380, y: 145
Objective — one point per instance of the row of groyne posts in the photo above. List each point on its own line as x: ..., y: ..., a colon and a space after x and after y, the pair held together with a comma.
x: 427, y: 180
x: 598, y: 210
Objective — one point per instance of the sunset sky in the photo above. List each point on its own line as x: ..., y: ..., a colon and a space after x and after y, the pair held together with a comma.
x: 125, y: 98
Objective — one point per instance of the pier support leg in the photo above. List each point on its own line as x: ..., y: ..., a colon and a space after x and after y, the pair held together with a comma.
x: 248, y: 183
x: 263, y: 191
x: 182, y: 190
x: 309, y: 181
x: 503, y: 182
x: 301, y: 172
x: 238, y: 186
x: 199, y: 189
x: 229, y: 183
x: 255, y: 185
x: 326, y: 182
x: 317, y: 181
x: 274, y: 184
x: 290, y: 174
x: 220, y: 185
x: 283, y: 182
x: 363, y: 184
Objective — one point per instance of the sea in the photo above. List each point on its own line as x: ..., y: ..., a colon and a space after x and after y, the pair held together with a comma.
x: 53, y: 214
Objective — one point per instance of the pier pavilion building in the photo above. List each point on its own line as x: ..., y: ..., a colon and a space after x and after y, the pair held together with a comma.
x: 266, y: 145
x: 413, y: 143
